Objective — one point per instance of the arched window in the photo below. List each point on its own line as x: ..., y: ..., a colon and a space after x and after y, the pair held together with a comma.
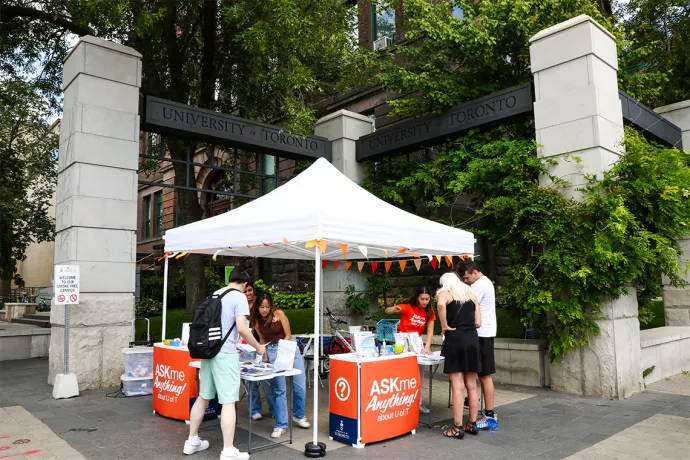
x: 218, y: 203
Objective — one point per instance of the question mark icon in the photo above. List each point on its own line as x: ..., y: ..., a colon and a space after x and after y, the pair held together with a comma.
x: 342, y: 388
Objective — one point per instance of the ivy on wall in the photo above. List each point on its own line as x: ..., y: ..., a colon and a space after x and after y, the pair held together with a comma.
x: 567, y: 257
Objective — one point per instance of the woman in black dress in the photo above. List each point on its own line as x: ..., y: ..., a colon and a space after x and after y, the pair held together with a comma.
x: 460, y: 317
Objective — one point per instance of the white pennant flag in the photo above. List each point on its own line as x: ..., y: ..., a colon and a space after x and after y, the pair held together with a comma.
x: 216, y: 254
x: 418, y: 263
x: 363, y: 250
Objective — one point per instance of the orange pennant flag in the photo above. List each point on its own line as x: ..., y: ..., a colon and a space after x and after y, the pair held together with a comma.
x: 388, y: 265
x: 449, y: 260
x: 348, y: 265
x: 343, y: 247
x: 434, y: 263
x: 402, y: 263
x: 285, y: 240
x: 360, y: 265
x: 182, y: 254
x: 402, y: 251
x: 310, y: 244
x: 336, y: 264
x: 323, y: 264
x: 374, y: 266
x: 414, y: 254
x: 418, y: 263
x: 164, y: 256
x: 323, y: 245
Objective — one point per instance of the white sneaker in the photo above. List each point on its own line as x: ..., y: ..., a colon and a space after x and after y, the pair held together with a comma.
x: 277, y: 432
x: 192, y: 447
x: 233, y: 454
x: 301, y: 422
x: 423, y: 410
x: 257, y: 416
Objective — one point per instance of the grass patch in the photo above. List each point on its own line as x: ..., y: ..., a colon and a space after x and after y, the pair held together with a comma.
x: 301, y: 322
x: 657, y: 308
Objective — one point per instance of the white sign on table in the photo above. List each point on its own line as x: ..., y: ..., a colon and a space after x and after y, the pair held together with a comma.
x: 66, y: 282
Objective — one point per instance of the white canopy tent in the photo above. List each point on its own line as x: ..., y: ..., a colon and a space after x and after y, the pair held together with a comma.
x: 318, y: 215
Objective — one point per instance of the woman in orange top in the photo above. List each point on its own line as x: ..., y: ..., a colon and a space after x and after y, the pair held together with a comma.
x: 414, y: 315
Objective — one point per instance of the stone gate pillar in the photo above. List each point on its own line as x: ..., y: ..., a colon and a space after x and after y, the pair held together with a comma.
x: 577, y: 111
x: 677, y: 300
x: 96, y: 212
x: 343, y: 128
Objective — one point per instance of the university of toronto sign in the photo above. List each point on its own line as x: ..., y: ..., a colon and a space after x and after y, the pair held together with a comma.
x: 433, y: 129
x: 186, y: 121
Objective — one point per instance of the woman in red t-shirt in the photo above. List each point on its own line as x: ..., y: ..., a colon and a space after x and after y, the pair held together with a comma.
x: 414, y: 315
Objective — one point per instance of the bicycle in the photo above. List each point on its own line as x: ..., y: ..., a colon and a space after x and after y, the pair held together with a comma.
x: 42, y: 306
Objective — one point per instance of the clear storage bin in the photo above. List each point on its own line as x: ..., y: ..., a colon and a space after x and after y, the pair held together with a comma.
x: 136, y: 386
x: 138, y: 361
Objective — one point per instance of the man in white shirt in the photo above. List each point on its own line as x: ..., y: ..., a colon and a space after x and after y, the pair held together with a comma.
x: 486, y: 295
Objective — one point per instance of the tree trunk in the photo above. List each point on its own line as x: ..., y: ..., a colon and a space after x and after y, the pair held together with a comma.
x: 189, y: 211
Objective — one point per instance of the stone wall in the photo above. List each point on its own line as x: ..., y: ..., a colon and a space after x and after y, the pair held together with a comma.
x: 24, y: 343
x: 667, y: 349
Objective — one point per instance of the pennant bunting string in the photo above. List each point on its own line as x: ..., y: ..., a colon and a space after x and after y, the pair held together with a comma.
x: 403, y: 263
x: 388, y: 265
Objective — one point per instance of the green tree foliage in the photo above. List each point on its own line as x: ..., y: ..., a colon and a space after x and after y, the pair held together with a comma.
x: 268, y: 60
x: 453, y: 60
x: 27, y: 172
x: 655, y: 44
x: 567, y: 257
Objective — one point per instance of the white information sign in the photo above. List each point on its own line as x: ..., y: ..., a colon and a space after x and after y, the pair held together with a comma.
x: 66, y: 285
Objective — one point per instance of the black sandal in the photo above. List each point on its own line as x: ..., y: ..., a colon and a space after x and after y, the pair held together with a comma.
x: 471, y: 428
x: 455, y: 432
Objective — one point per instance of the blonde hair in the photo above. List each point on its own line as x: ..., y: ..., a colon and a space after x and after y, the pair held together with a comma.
x: 450, y: 282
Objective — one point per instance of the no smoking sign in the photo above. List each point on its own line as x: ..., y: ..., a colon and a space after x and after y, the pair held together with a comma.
x: 66, y: 283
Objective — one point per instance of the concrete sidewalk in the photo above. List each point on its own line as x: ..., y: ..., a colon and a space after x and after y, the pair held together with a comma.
x: 534, y: 424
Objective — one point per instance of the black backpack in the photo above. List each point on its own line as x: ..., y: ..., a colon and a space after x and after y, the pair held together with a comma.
x: 205, y: 330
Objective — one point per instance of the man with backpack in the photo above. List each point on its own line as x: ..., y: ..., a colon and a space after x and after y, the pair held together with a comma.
x: 213, y: 335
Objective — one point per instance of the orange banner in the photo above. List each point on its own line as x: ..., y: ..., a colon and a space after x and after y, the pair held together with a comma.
x: 403, y: 263
x: 388, y: 265
x: 173, y: 382
x: 343, y: 248
x: 449, y: 260
x: 348, y: 265
x: 390, y: 392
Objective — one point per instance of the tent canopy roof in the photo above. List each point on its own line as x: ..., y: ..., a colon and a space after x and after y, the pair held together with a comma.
x: 319, y: 204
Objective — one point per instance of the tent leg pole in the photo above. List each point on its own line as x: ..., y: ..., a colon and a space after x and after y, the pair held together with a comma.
x: 165, y: 297
x: 316, y: 449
